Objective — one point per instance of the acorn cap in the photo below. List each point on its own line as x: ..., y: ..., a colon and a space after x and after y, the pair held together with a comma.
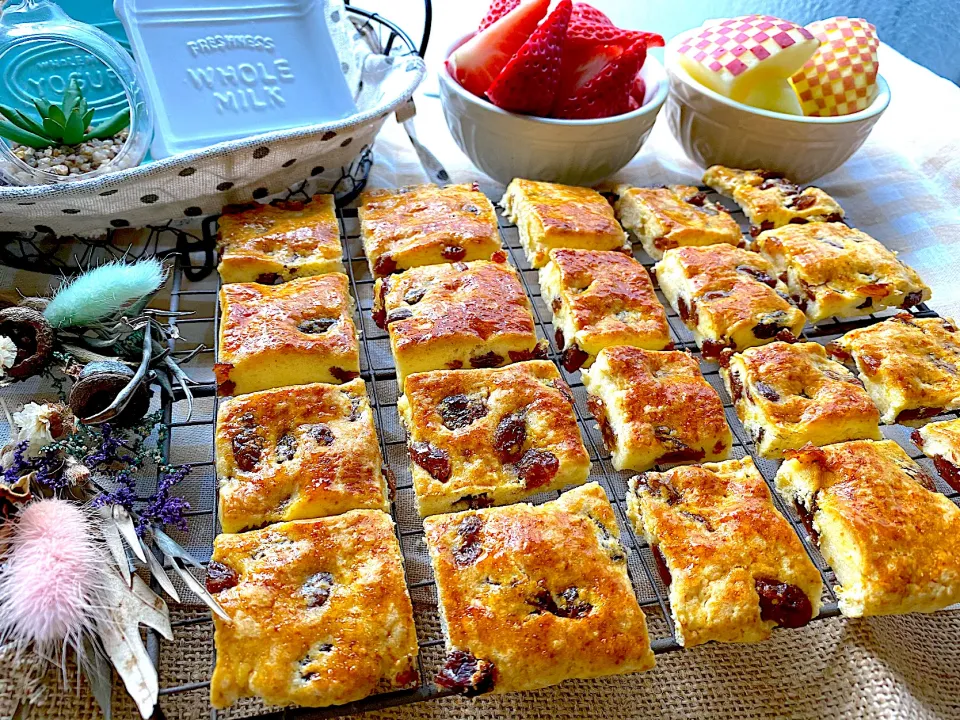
x: 33, y: 336
x: 98, y: 385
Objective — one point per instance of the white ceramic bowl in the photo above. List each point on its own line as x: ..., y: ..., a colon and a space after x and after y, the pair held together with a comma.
x: 714, y: 130
x: 575, y: 152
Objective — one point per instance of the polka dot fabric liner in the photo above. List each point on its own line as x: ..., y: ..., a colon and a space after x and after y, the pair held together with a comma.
x: 201, y: 182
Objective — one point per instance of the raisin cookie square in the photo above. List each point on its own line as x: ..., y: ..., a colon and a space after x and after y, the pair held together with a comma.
x: 769, y: 200
x: 909, y: 365
x: 601, y: 298
x: 655, y: 407
x: 734, y: 566
x: 464, y: 315
x: 279, y: 242
x: 892, y: 540
x: 427, y: 225
x: 298, y: 452
x: 530, y: 596
x: 832, y: 270
x: 550, y: 216
x: 291, y: 334
x: 940, y: 441
x: 787, y: 395
x: 319, y: 611
x: 728, y: 297
x: 674, y: 216
x: 490, y: 437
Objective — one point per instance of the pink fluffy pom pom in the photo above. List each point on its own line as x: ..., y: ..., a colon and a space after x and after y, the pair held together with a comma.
x: 51, y: 576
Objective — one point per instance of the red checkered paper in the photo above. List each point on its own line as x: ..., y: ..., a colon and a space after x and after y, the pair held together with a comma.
x: 730, y: 56
x: 841, y: 76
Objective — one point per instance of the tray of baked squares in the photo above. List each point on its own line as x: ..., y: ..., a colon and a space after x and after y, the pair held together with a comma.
x: 496, y: 447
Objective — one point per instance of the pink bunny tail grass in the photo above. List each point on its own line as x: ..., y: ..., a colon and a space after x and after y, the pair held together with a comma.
x: 50, y: 579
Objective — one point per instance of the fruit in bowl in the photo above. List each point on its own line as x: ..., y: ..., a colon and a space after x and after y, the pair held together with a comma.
x: 570, y: 63
x: 840, y: 78
x: 758, y: 91
x: 828, y: 68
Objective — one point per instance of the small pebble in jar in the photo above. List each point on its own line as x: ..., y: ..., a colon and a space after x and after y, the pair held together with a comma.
x: 65, y: 160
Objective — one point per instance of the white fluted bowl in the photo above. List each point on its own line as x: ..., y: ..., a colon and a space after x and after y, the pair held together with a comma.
x: 575, y: 152
x: 714, y: 130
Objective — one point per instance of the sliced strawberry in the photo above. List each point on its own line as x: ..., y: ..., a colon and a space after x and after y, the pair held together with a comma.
x: 608, y: 93
x: 497, y: 9
x: 476, y: 63
x: 593, y: 34
x: 581, y: 64
x: 528, y: 84
x: 584, y: 12
x: 638, y: 90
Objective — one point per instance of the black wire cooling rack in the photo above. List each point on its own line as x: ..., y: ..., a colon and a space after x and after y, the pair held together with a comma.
x: 191, y: 442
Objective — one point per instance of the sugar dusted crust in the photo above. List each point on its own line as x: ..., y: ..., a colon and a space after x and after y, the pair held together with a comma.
x: 891, y: 539
x: 655, y: 407
x: 674, y: 216
x: 788, y: 395
x: 499, y: 435
x: 320, y: 612
x: 291, y: 334
x: 769, y: 200
x: 940, y: 441
x: 305, y: 451
x: 598, y: 299
x: 465, y: 315
x: 729, y: 297
x: 538, y: 594
x: 833, y: 270
x: 910, y: 366
x: 549, y: 216
x: 280, y: 241
x: 717, y: 531
x: 426, y: 225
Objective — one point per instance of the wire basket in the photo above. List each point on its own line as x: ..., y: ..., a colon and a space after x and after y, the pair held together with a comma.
x: 333, y: 158
x: 192, y: 442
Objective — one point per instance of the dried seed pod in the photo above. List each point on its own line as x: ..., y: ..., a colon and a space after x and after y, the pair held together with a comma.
x: 35, y: 303
x: 14, y: 494
x: 33, y: 336
x: 99, y: 384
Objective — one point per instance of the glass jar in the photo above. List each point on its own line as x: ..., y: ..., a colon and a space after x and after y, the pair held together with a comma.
x: 39, y: 35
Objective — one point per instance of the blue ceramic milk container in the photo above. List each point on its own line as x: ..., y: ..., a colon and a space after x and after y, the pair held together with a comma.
x: 218, y: 72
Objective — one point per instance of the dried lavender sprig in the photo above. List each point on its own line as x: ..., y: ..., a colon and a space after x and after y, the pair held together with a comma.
x: 48, y: 466
x: 163, y: 508
x: 124, y: 494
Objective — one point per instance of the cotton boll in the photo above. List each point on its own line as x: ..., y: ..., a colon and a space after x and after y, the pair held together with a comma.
x: 8, y: 354
x: 38, y: 425
x: 51, y: 577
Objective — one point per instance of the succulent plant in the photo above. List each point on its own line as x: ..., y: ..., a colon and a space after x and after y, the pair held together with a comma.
x: 63, y: 123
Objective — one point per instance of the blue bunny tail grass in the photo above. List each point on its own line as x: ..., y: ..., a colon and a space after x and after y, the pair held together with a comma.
x: 100, y: 293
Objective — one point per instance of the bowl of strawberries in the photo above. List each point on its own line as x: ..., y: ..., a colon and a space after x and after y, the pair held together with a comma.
x: 558, y: 94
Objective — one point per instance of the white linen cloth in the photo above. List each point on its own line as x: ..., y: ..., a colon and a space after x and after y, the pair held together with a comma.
x: 902, y: 187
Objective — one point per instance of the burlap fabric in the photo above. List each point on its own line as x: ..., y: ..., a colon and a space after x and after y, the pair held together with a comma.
x: 897, y: 667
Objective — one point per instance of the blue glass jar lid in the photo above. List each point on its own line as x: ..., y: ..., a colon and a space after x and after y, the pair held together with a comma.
x: 234, y: 69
